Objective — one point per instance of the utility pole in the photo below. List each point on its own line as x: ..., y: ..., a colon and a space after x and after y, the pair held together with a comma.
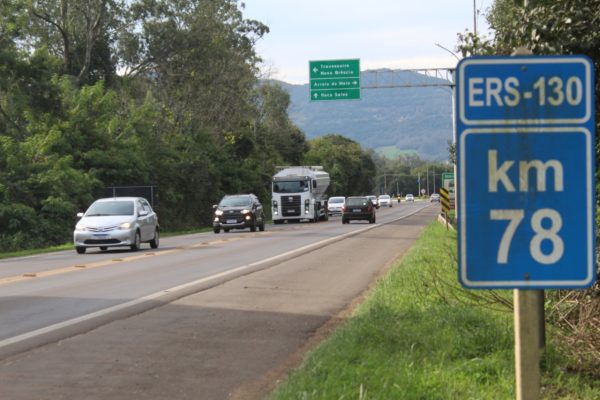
x: 427, y: 180
x: 475, y: 17
x: 384, y: 183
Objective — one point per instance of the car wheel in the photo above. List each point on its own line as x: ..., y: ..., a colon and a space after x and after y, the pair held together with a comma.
x: 372, y: 221
x: 344, y: 221
x: 137, y: 242
x: 253, y: 228
x: 155, y: 239
x: 216, y: 230
x: 80, y: 250
x: 261, y: 227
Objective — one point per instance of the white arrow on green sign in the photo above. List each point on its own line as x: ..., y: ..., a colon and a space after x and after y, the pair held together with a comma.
x: 334, y: 80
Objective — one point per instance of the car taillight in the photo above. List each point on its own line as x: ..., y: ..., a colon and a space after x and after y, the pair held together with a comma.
x: 370, y: 209
x: 344, y: 209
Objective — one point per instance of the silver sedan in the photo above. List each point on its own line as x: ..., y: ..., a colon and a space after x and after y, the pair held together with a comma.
x: 117, y: 222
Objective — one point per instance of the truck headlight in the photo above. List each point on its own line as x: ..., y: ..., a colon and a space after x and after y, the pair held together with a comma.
x: 218, y: 213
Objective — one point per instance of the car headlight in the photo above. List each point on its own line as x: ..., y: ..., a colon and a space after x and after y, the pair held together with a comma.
x: 218, y: 213
x: 80, y: 227
x: 245, y: 211
x: 125, y: 225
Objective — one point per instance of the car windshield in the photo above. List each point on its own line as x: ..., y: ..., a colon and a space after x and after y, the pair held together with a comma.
x: 235, y: 201
x: 336, y: 200
x: 104, y: 208
x: 384, y: 197
x: 290, y: 186
x: 357, y: 201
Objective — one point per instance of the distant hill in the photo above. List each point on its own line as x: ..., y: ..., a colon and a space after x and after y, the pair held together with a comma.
x: 391, y: 121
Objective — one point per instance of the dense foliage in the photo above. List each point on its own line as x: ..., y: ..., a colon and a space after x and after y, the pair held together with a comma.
x: 106, y: 92
x: 98, y: 93
x: 555, y: 27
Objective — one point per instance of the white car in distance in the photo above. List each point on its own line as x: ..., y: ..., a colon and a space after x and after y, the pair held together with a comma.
x: 384, y: 200
x: 335, y: 205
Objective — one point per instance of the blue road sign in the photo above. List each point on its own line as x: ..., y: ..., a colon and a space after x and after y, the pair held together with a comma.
x: 526, y: 193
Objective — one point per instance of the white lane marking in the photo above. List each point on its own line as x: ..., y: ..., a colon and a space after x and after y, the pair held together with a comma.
x: 154, y: 296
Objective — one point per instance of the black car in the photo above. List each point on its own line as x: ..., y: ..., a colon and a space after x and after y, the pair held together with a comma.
x: 239, y: 211
x: 358, y: 208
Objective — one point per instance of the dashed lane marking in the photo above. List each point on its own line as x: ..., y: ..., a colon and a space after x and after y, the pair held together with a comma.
x: 81, y: 267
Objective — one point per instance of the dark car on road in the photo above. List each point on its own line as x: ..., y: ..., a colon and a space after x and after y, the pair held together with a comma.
x: 358, y: 208
x: 239, y: 211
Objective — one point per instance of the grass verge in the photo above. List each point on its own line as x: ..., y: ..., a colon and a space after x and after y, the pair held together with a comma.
x: 419, y: 335
x: 69, y: 246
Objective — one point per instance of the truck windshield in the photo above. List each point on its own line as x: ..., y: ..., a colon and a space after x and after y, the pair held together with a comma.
x: 290, y: 186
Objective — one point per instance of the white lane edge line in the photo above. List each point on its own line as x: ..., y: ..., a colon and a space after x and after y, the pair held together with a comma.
x: 153, y: 296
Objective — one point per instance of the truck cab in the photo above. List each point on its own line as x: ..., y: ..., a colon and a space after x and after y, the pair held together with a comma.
x: 298, y: 193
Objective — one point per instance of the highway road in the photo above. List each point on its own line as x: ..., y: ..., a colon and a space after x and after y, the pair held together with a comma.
x: 59, y: 299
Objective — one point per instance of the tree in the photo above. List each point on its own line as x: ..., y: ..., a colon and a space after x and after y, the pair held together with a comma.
x: 81, y: 33
x: 351, y: 168
x: 275, y: 132
x: 198, y: 56
x: 185, y: 111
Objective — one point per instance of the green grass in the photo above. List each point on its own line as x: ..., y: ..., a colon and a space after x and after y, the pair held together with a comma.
x: 421, y: 336
x: 23, y: 253
x: 69, y: 246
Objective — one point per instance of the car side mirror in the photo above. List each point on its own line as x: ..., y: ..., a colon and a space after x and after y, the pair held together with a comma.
x: 79, y: 215
x: 143, y: 213
x: 215, y: 206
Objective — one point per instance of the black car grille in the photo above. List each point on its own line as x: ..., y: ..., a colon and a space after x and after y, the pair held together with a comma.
x: 101, y: 241
x: 291, y: 206
x: 230, y: 215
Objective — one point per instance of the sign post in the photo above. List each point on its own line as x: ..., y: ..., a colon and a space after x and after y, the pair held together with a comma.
x: 448, y: 184
x: 526, y: 206
x: 334, y: 80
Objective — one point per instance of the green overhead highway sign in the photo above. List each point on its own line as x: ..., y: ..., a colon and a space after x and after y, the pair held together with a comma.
x: 334, y: 80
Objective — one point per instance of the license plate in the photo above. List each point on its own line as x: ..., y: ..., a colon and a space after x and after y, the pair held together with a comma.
x: 101, y: 235
x: 356, y: 210
x: 231, y: 221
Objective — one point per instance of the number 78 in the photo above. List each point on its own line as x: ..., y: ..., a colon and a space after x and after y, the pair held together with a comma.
x: 515, y: 217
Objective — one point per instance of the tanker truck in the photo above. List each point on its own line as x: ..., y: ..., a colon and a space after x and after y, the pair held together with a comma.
x: 298, y: 193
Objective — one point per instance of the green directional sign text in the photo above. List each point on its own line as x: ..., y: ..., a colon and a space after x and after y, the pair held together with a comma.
x: 334, y: 80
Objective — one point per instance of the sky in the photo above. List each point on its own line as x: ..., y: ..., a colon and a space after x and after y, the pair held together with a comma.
x: 396, y: 34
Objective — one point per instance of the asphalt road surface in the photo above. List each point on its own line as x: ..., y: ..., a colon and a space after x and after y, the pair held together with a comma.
x: 205, y: 316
